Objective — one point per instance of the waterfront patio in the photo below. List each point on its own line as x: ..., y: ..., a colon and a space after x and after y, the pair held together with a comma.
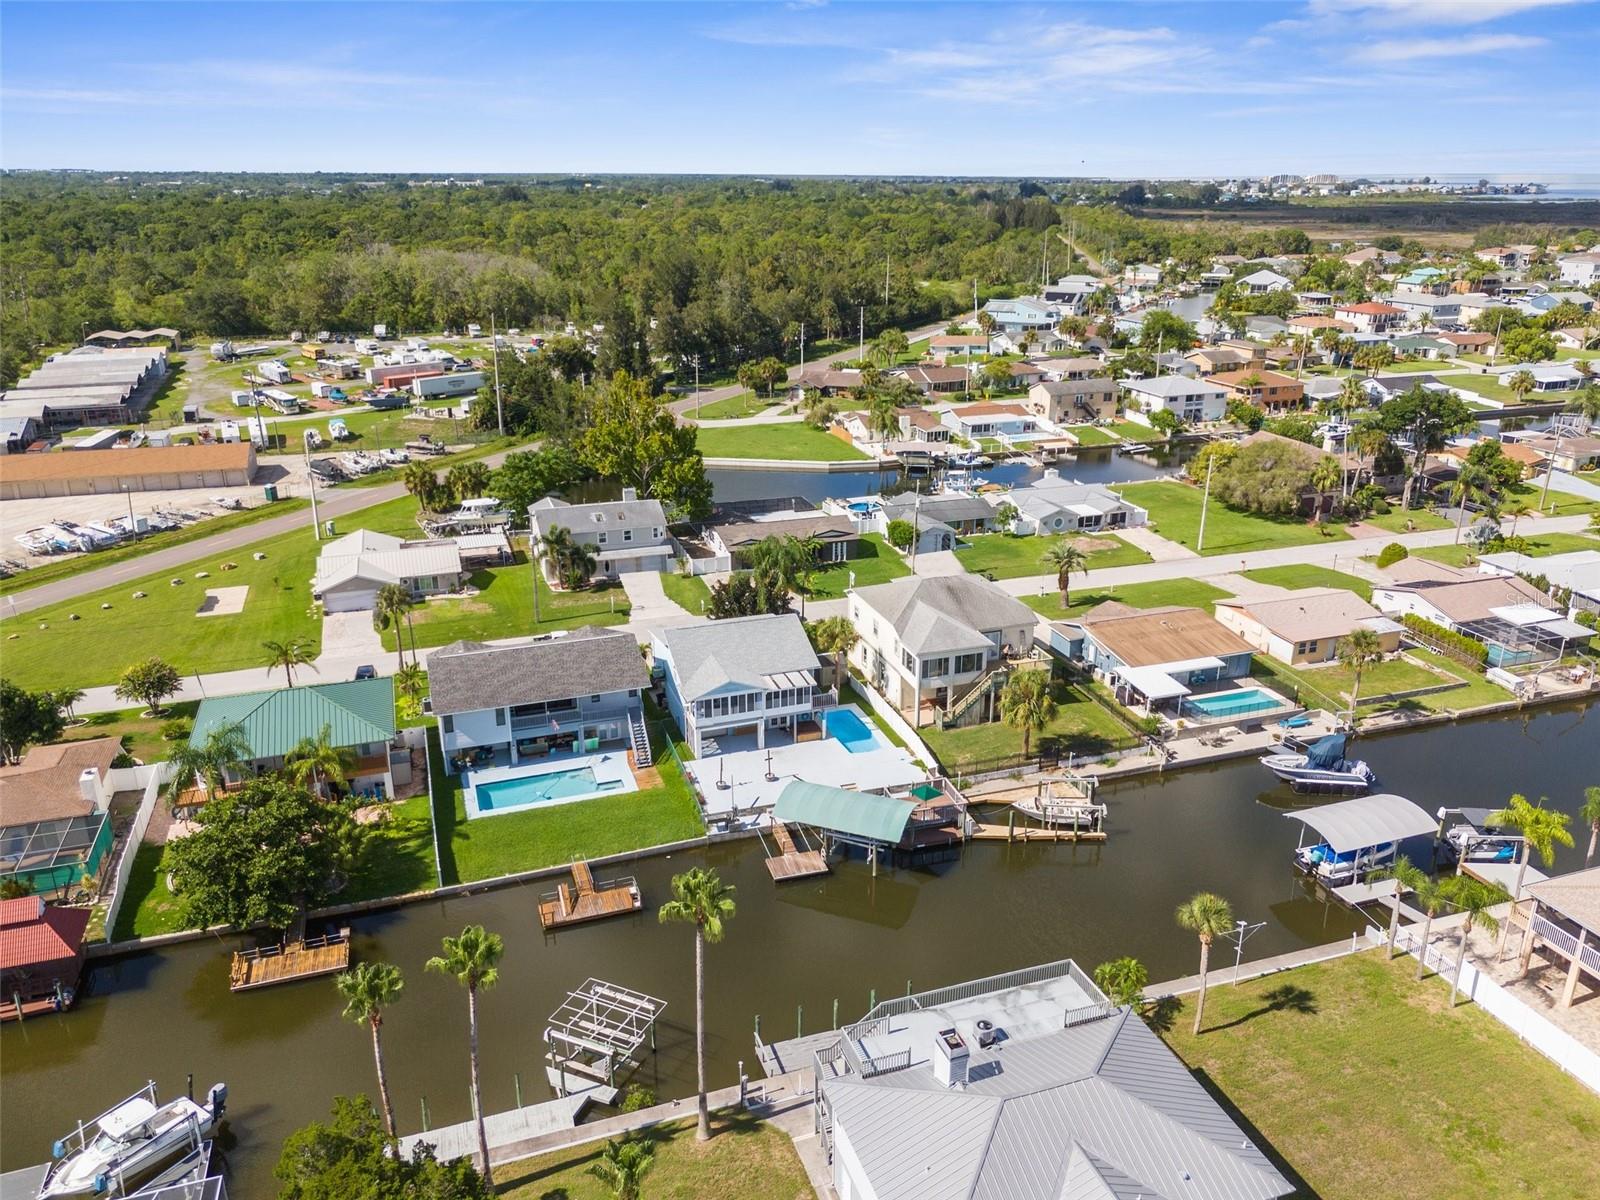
x: 737, y: 789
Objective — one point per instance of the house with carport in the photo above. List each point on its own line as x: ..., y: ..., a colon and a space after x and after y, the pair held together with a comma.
x: 352, y: 569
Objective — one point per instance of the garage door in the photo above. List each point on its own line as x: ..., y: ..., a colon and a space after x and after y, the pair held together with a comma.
x: 349, y: 600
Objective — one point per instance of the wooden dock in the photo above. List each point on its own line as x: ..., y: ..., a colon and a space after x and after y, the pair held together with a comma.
x: 1033, y: 833
x: 289, y: 961
x: 791, y: 862
x: 586, y: 900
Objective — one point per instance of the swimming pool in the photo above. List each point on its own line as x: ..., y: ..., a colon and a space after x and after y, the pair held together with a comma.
x: 530, y: 791
x: 863, y: 506
x: 845, y: 725
x: 1233, y: 704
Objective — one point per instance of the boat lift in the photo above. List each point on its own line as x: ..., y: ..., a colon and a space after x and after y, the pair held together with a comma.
x: 599, y: 1028
x: 1358, y: 836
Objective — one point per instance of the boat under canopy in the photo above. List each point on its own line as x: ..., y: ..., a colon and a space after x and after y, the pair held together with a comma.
x: 1366, y: 821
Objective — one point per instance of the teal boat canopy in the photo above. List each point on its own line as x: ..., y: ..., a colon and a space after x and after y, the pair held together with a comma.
x: 864, y: 815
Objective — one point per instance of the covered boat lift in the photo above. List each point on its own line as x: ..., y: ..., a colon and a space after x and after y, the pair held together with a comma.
x: 930, y: 815
x: 1358, y: 835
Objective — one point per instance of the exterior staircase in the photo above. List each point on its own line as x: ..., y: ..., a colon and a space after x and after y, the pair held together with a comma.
x: 639, y: 736
x: 983, y: 686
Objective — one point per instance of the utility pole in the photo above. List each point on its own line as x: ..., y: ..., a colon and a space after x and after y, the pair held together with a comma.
x: 1242, y: 931
x: 499, y: 404
x: 1549, y: 466
x: 311, y: 482
x: 696, y: 361
x: 1205, y: 503
x: 861, y: 332
x: 802, y: 347
x: 975, y: 304
x: 916, y: 527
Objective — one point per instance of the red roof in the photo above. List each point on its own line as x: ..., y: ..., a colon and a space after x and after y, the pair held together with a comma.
x: 33, y: 932
x: 1372, y: 309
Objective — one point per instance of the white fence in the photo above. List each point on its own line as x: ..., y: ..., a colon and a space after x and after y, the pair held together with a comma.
x: 1533, y: 1027
x: 712, y: 565
x: 894, y: 720
x: 150, y: 777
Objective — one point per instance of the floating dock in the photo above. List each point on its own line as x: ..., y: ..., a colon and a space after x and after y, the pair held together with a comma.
x: 289, y: 961
x: 586, y: 900
x: 791, y: 861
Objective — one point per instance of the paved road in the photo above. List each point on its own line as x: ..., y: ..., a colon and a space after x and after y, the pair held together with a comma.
x: 336, y: 502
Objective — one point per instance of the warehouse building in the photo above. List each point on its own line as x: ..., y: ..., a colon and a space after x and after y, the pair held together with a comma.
x: 88, y: 386
x: 108, y: 472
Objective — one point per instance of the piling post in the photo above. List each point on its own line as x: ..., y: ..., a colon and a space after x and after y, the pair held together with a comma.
x: 799, y: 1020
x: 836, y: 1012
x: 908, y: 987
x: 424, y: 1114
x: 1011, y: 825
x: 872, y: 999
x: 758, y: 1027
x: 516, y: 1079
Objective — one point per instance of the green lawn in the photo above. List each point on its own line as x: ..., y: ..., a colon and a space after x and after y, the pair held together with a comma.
x: 141, y: 735
x: 1475, y: 690
x: 1487, y: 386
x: 1306, y: 576
x: 745, y: 1158
x: 688, y: 592
x: 1093, y: 435
x: 1175, y: 514
x: 1539, y: 545
x: 503, y: 607
x: 48, y: 571
x: 51, y: 650
x: 1475, y: 1112
x: 745, y: 404
x: 1006, y: 557
x: 663, y: 810
x: 1082, y: 727
x: 794, y: 441
x: 1160, y: 593
x: 877, y: 562
x: 1132, y: 431
x: 1396, y: 520
x: 1557, y: 503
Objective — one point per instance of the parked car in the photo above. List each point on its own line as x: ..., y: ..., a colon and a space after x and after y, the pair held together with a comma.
x: 367, y: 672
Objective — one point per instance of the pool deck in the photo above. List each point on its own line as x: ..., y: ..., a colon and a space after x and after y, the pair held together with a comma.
x: 610, y: 768
x: 749, y: 794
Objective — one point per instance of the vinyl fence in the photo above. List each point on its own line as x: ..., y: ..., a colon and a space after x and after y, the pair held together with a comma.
x: 150, y: 777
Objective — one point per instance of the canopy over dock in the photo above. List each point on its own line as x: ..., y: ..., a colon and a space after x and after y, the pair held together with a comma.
x: 1366, y: 821
x: 862, y: 818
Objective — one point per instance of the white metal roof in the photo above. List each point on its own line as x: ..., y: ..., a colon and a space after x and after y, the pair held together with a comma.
x: 1522, y: 615
x: 1153, y: 682
x: 1366, y: 821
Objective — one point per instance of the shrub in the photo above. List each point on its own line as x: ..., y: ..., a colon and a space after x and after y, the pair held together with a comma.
x: 1391, y: 554
x: 1447, y: 641
x: 175, y: 731
x: 636, y: 1097
x: 901, y: 533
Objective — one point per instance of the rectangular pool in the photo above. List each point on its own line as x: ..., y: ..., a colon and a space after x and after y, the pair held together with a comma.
x: 1235, y: 703
x: 845, y: 725
x: 531, y: 791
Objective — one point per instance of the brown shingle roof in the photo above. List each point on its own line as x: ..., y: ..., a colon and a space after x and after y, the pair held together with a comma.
x: 1161, y: 635
x: 44, y: 785
x: 146, y: 460
x: 1309, y: 614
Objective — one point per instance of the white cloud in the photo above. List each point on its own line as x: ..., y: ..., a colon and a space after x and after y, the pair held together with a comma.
x: 1430, y: 12
x: 1411, y: 49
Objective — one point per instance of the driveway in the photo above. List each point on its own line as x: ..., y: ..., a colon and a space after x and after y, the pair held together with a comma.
x: 350, y: 635
x: 650, y: 607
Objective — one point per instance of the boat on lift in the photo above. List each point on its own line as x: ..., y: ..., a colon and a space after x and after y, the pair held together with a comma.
x: 112, y: 1154
x: 1066, y: 803
x: 1320, y: 766
x: 1356, y: 837
x: 1473, y: 838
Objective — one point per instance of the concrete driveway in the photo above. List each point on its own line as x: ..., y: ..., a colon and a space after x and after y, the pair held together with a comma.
x: 350, y: 635
x: 651, y: 609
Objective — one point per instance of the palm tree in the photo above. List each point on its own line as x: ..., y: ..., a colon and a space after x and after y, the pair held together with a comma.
x: 288, y: 655
x: 1358, y: 649
x: 410, y: 680
x: 623, y: 1165
x: 316, y: 762
x: 1541, y: 829
x: 1327, y: 476
x: 393, y: 601
x: 1064, y: 558
x: 1208, y: 917
x: 473, y: 961
x: 223, y: 748
x: 1516, y: 510
x: 1469, y: 485
x: 700, y: 899
x: 1352, y: 396
x: 1590, y: 812
x: 467, y: 480
x: 1431, y: 897
x: 66, y: 701
x: 423, y: 483
x: 1407, y: 878
x: 882, y: 415
x: 1586, y: 400
x: 367, y: 990
x: 551, y: 549
x: 1521, y: 384
x: 1474, y: 899
x: 1026, y: 704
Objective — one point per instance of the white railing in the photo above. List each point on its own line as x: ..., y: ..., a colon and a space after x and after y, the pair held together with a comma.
x: 1567, y: 943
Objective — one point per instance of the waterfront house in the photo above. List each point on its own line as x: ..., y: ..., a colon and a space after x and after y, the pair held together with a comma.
x: 1567, y: 452
x: 1211, y: 359
x: 1078, y: 399
x: 931, y: 381
x: 1307, y: 626
x: 1014, y: 316
x: 1267, y: 390
x: 625, y: 535
x: 1577, y: 573
x: 1071, y: 293
x: 740, y: 677
x: 825, y: 380
x: 55, y: 826
x: 920, y: 425
x: 1142, y: 274
x: 1192, y: 401
x: 959, y: 515
x: 1029, y: 1086
x: 836, y: 536
x: 1380, y: 389
x: 1259, y: 283
x: 943, y: 346
x: 566, y: 694
x: 1515, y: 620
x: 351, y: 569
x: 1547, y: 377
x: 1154, y: 654
x: 357, y: 714
x: 928, y: 641
x: 974, y: 421
x: 1054, y: 504
x: 1370, y: 316
x: 41, y: 954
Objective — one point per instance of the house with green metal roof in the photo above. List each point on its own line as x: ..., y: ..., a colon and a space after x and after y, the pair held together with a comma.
x: 358, y: 715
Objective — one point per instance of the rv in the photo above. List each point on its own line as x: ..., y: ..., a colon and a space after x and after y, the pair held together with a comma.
x: 380, y: 331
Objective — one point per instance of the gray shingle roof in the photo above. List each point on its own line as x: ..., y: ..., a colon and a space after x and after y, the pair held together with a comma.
x: 939, y: 508
x: 467, y: 676
x: 741, y: 650
x: 945, y: 612
x: 607, y: 514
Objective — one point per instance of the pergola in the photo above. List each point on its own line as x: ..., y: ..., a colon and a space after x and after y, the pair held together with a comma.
x: 599, y: 1027
x: 1574, y: 899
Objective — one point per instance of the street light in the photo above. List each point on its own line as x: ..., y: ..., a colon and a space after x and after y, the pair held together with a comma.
x: 1242, y: 932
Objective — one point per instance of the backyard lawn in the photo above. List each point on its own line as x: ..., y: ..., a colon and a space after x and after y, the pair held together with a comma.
x: 1132, y: 431
x: 878, y: 562
x: 141, y: 735
x: 663, y: 810
x: 1407, y: 520
x: 744, y: 1158
x: 1160, y: 593
x: 1308, y: 576
x: 792, y: 440
x: 688, y: 592
x: 1092, y: 435
x: 1175, y: 514
x: 1082, y: 728
x: 1306, y: 1055
x: 1007, y: 557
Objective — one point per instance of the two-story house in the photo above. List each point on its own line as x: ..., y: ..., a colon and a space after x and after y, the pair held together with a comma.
x: 1259, y: 283
x: 741, y: 677
x: 1267, y: 390
x: 578, y: 693
x: 1014, y: 316
x: 925, y: 641
x: 1370, y: 316
x: 625, y: 535
x: 1192, y: 401
x: 1078, y: 399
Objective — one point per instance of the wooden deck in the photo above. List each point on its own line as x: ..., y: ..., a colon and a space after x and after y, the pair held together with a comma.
x: 791, y: 862
x: 30, y: 1008
x: 1032, y: 833
x: 288, y: 962
x: 586, y: 900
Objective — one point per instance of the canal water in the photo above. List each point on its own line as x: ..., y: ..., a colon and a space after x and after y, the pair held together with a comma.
x: 285, y: 1051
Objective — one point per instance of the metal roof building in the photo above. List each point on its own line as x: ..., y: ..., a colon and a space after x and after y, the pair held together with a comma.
x: 356, y: 712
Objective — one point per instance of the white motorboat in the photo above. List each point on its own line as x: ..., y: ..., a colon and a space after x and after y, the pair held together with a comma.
x: 129, y: 1142
x: 1472, y: 838
x: 1065, y: 804
x: 1320, y: 767
x: 1357, y: 836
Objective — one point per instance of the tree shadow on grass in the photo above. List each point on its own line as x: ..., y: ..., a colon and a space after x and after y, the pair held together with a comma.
x: 1163, y: 1014
x: 1303, y: 1190
x: 1287, y: 997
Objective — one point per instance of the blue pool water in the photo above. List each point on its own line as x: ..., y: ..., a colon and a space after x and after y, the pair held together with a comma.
x: 1233, y: 704
x: 863, y: 506
x: 843, y: 725
x: 531, y: 790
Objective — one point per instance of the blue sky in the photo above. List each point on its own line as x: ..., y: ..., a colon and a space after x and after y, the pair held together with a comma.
x: 1350, y: 86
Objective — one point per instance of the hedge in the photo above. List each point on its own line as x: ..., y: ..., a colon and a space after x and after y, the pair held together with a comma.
x: 1447, y: 641
x: 1391, y: 554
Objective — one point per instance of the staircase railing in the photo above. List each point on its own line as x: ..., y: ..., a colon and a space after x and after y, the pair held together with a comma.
x: 981, y: 687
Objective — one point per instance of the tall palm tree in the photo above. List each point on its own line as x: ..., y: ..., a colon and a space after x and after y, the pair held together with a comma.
x: 1431, y: 897
x: 1521, y: 384
x: 223, y: 748
x: 1326, y: 477
x: 66, y: 700
x: 316, y: 762
x: 1586, y: 400
x: 1590, y: 814
x: 423, y: 483
x: 1541, y: 829
x: 881, y: 414
x: 700, y: 899
x: 1473, y: 898
x: 393, y: 602
x: 1358, y: 649
x: 622, y: 1166
x: 1469, y: 485
x: 1352, y: 396
x: 410, y: 681
x: 551, y: 550
x: 288, y: 655
x: 1516, y: 510
x: 473, y: 961
x: 1064, y: 558
x: 467, y: 481
x: 1208, y: 917
x: 367, y: 990
x: 1407, y: 878
x: 1026, y: 704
